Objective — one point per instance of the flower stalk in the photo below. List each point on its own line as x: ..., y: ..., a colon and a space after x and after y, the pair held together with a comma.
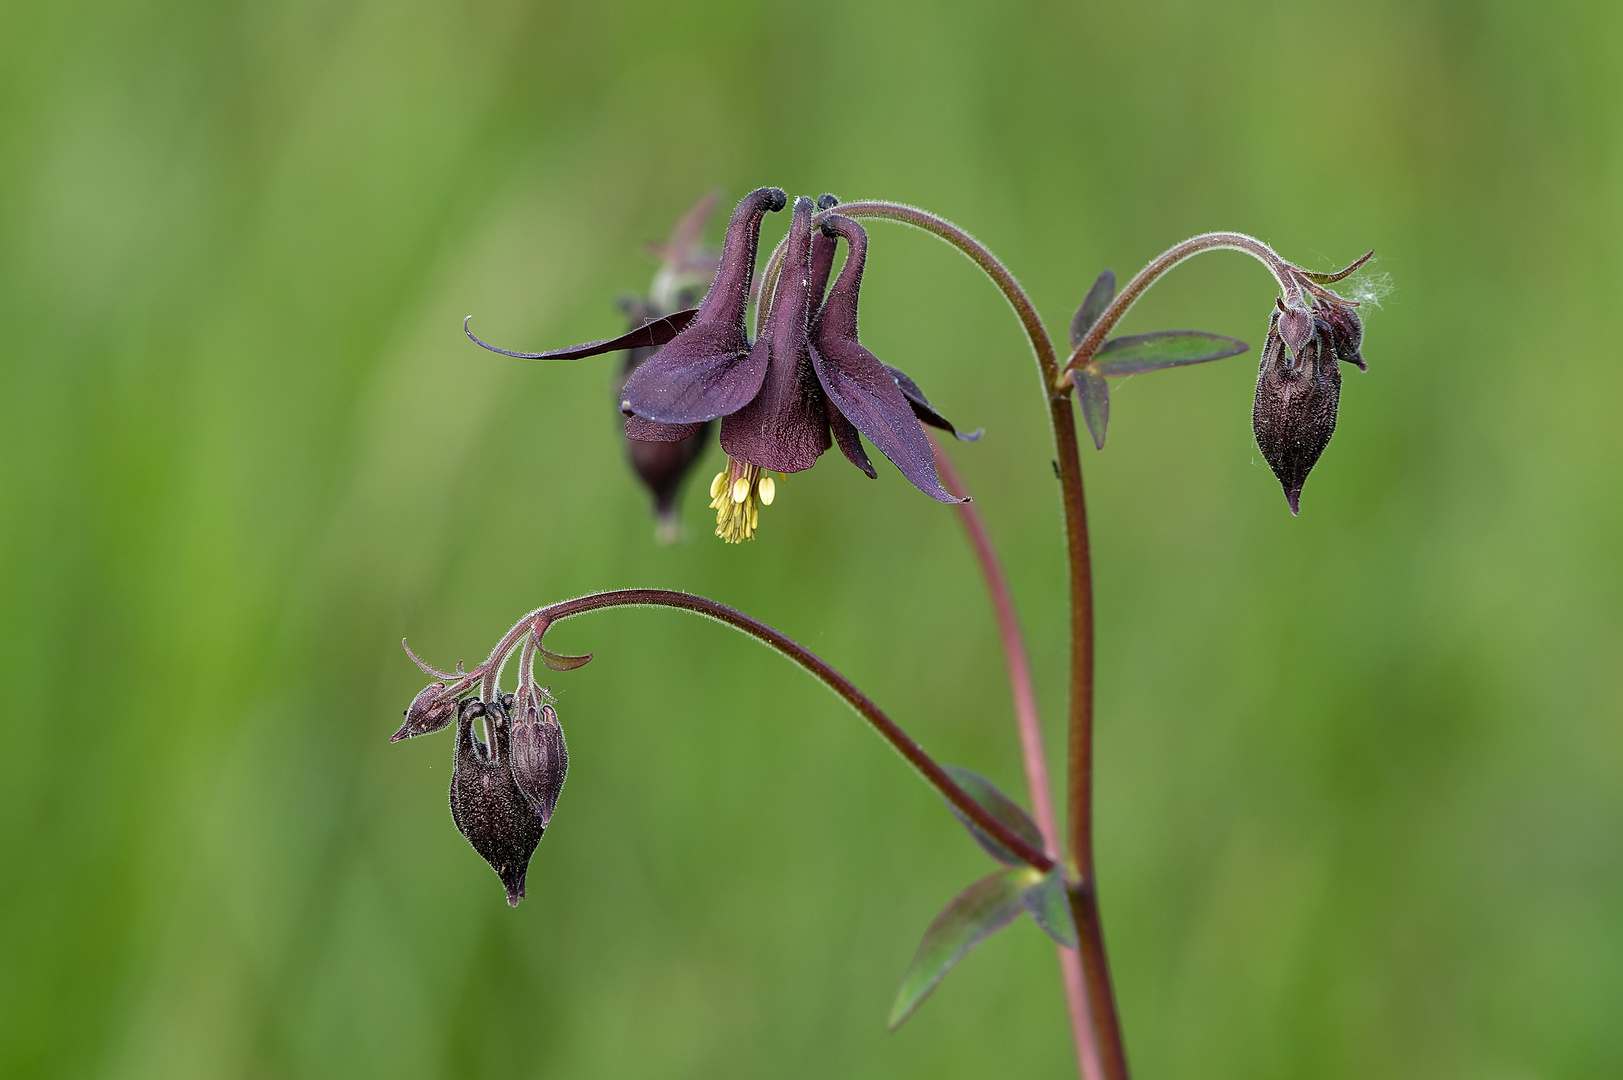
x: 536, y: 624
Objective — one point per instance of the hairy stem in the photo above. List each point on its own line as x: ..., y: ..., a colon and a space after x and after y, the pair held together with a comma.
x: 1215, y: 241
x: 541, y: 619
x: 1029, y: 723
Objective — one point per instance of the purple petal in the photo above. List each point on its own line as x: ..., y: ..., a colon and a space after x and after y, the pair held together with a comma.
x: 650, y: 335
x: 699, y: 376
x: 709, y: 370
x: 862, y: 390
x: 925, y: 411
x: 850, y: 443
x: 648, y: 431
x: 859, y: 386
x: 785, y: 426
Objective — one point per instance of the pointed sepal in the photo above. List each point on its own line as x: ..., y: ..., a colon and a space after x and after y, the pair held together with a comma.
x: 971, y: 917
x: 650, y: 335
x: 1137, y: 353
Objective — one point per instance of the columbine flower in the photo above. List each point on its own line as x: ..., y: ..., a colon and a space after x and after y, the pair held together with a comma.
x: 1299, y: 381
x: 784, y: 399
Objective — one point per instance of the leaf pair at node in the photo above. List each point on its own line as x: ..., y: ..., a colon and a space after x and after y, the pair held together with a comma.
x: 989, y: 904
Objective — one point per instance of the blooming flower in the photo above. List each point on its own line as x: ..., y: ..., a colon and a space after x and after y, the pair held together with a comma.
x: 805, y: 385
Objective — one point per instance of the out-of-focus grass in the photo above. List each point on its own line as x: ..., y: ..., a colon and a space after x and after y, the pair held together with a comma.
x: 1361, y: 792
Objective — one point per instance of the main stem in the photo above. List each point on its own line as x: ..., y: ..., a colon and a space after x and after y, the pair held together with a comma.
x: 1029, y: 723
x: 1081, y: 884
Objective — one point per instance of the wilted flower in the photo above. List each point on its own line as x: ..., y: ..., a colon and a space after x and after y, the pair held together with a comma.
x: 783, y: 399
x: 1299, y: 381
x: 487, y: 805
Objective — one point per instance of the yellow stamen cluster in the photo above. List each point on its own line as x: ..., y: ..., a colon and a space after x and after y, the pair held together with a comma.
x: 737, y: 495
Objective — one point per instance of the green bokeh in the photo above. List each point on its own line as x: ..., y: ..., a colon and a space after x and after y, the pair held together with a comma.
x: 1361, y: 773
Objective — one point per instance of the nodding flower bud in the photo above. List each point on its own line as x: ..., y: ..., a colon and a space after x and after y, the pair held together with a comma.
x: 1346, y: 334
x: 540, y: 758
x: 486, y: 804
x: 428, y: 712
x: 1294, y: 415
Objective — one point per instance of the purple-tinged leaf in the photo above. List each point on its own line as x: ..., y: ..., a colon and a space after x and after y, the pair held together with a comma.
x: 975, y: 914
x: 1138, y: 353
x: 1094, y: 395
x: 558, y: 662
x: 1332, y: 278
x: 1000, y: 806
x: 649, y: 335
x: 1048, y: 904
x: 1093, y: 306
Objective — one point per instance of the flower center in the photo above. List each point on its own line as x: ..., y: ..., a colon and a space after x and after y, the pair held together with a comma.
x: 737, y: 495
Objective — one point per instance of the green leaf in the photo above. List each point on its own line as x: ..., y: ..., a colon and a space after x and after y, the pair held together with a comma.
x: 979, y: 911
x: 1048, y: 904
x: 563, y: 663
x: 1093, y: 393
x: 1093, y: 306
x: 1163, y: 349
x: 999, y: 806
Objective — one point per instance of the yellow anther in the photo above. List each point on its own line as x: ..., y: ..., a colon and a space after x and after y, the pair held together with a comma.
x: 737, y: 496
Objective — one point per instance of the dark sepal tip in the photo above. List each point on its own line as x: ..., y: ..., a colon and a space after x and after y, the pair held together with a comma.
x: 1294, y: 498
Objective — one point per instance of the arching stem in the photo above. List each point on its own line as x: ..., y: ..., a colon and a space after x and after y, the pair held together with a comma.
x: 540, y: 620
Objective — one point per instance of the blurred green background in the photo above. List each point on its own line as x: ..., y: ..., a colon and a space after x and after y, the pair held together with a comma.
x: 1361, y: 773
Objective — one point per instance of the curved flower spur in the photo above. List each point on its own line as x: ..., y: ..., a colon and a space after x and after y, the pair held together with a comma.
x: 805, y: 384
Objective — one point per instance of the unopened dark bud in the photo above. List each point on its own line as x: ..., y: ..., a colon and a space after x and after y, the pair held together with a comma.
x: 1346, y: 334
x: 540, y: 758
x: 429, y: 711
x: 486, y: 804
x: 1295, y: 410
x: 1296, y: 328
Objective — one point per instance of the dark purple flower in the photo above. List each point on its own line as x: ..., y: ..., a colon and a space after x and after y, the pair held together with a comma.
x: 805, y: 385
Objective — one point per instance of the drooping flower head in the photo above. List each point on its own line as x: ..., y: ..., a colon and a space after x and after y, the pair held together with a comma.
x: 1299, y: 380
x: 784, y: 399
